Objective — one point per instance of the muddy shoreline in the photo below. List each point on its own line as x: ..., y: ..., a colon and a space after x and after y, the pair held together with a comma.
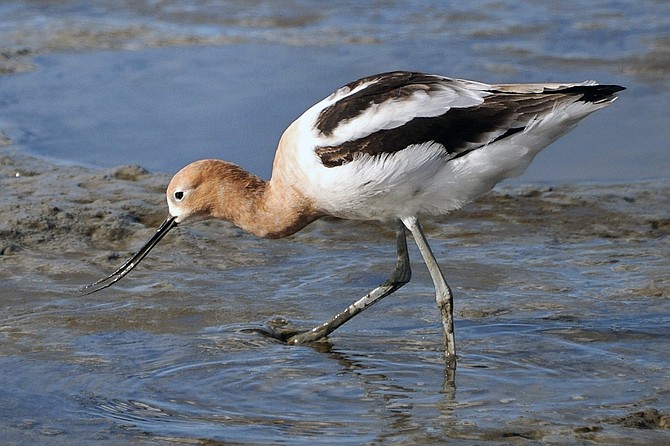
x: 51, y: 209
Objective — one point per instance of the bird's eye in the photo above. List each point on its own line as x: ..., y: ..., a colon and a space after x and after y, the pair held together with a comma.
x: 179, y: 195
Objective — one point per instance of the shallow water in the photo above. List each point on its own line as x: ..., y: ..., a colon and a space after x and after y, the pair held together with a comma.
x: 562, y: 321
x: 562, y: 290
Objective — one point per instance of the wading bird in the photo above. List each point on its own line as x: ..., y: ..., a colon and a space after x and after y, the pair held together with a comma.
x: 393, y: 147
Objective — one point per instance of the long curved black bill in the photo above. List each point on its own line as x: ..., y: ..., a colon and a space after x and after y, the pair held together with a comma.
x: 127, y: 267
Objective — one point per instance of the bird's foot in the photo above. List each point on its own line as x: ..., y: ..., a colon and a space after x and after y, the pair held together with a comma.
x: 283, y: 330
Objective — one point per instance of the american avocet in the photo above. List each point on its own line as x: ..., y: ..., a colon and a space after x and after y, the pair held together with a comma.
x: 393, y: 147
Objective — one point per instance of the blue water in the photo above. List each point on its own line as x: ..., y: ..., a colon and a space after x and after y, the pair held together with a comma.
x: 256, y: 68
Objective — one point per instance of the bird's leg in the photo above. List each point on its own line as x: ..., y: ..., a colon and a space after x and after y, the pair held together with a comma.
x: 443, y: 294
x: 400, y: 276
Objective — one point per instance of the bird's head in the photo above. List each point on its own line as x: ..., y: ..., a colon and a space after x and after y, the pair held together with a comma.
x: 191, y: 191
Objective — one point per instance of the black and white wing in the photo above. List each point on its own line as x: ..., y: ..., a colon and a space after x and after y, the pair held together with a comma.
x: 386, y: 113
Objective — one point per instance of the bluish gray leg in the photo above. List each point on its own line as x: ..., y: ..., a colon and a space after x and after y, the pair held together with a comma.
x: 443, y: 294
x: 401, y: 275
